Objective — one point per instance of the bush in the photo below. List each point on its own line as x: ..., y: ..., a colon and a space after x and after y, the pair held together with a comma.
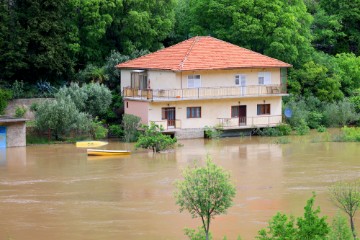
x: 20, y: 112
x: 198, y: 234
x: 98, y: 131
x: 302, y: 128
x: 130, y: 124
x: 152, y: 138
x: 350, y: 134
x: 281, y: 130
x: 340, y: 114
x: 18, y: 89
x: 116, y: 130
x: 314, y: 119
x: 340, y: 229
x: 5, y: 96
x: 212, y: 132
x: 321, y: 128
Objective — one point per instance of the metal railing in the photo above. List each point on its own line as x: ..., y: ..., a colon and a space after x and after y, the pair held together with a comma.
x: 211, y: 92
x: 169, y: 124
x: 258, y: 121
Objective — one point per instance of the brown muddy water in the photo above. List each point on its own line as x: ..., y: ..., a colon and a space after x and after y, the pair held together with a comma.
x: 57, y: 192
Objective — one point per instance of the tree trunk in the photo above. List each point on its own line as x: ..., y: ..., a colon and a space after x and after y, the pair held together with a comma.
x: 352, y: 227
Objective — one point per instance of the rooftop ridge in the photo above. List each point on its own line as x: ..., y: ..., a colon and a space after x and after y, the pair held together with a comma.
x: 181, y: 65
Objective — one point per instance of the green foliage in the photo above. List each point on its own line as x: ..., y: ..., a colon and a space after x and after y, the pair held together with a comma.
x: 61, y: 116
x: 314, y: 119
x: 152, y: 138
x: 92, y: 73
x: 97, y: 130
x: 116, y: 130
x: 20, y: 111
x: 350, y: 134
x: 198, y: 234
x: 346, y: 196
x: 18, y: 89
x: 281, y: 130
x: 302, y: 128
x: 130, y: 124
x: 212, y: 132
x: 340, y: 114
x: 205, y: 192
x: 280, y: 227
x: 321, y: 128
x: 92, y: 98
x: 340, y: 229
x: 5, y: 96
x: 282, y: 140
x: 308, y: 227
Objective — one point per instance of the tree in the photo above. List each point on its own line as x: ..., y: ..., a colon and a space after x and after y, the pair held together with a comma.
x: 340, y: 229
x: 130, y: 124
x: 61, y: 116
x: 5, y: 96
x: 205, y: 192
x: 152, y: 138
x: 346, y: 196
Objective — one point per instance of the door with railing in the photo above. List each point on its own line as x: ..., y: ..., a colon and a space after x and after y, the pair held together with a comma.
x: 239, y: 112
x: 169, y: 114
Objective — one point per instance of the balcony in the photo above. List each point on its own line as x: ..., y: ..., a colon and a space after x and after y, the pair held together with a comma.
x: 205, y: 93
x: 250, y: 122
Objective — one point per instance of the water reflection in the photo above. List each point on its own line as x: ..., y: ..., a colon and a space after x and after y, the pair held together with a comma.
x: 58, y: 192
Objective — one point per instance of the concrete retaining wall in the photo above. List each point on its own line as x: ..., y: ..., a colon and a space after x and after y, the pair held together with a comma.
x: 16, y: 135
x: 25, y: 102
x: 190, y: 133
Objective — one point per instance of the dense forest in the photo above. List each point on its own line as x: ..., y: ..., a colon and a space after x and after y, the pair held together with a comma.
x: 58, y: 42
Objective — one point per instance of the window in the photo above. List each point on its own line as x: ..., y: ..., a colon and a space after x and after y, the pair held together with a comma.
x: 264, y: 78
x: 193, y: 112
x: 235, y: 111
x: 240, y: 80
x: 194, y: 81
x: 263, y: 109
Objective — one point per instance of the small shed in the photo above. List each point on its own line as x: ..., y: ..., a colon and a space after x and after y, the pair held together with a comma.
x: 12, y: 132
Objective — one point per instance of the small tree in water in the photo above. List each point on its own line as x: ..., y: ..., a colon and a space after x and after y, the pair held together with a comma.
x: 152, y: 138
x: 205, y: 192
x: 346, y: 196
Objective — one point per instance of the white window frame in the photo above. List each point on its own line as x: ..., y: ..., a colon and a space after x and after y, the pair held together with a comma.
x: 264, y: 78
x: 239, y: 78
x: 194, y: 81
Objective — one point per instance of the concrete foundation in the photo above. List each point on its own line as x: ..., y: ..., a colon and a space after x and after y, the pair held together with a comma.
x: 189, y: 133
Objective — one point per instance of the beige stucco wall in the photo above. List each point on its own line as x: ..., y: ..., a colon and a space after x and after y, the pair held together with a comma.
x: 137, y: 108
x: 209, y: 78
x: 24, y: 102
x: 15, y: 134
x: 212, y: 110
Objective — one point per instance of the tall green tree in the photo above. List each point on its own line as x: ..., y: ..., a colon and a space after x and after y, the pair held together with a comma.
x: 43, y: 26
x: 205, y: 192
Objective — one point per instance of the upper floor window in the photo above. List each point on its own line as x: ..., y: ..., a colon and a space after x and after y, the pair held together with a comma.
x: 240, y: 80
x: 194, y: 81
x: 264, y: 78
x: 263, y: 109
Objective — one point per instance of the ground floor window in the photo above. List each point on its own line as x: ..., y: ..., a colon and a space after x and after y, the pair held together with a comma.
x: 263, y: 109
x: 193, y: 112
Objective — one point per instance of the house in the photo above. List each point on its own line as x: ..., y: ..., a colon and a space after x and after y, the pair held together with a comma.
x: 204, y: 81
x: 12, y: 132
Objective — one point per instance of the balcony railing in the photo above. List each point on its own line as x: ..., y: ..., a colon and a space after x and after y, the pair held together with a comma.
x: 169, y: 124
x: 214, y: 92
x: 258, y: 121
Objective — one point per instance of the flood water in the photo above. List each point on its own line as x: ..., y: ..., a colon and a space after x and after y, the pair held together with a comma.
x: 57, y: 192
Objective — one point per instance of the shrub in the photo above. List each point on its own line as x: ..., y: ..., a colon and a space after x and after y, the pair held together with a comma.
x: 314, y: 119
x: 198, y: 234
x: 302, y: 128
x: 284, y: 129
x: 350, y: 134
x: 340, y: 114
x: 5, y: 96
x: 20, y: 112
x: 98, y: 131
x: 116, y: 130
x: 212, y: 132
x: 321, y: 128
x: 130, y: 124
x: 340, y: 229
x: 152, y: 138
x: 18, y: 89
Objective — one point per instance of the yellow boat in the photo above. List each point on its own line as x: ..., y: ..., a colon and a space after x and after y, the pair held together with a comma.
x: 86, y: 144
x: 103, y: 152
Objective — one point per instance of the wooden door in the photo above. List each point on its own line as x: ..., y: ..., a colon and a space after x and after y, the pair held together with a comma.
x: 239, y: 112
x: 169, y: 115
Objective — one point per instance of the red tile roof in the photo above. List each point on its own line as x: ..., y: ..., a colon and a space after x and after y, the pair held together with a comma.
x: 202, y: 53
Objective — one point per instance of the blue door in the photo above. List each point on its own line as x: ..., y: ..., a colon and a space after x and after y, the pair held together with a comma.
x: 2, y: 137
